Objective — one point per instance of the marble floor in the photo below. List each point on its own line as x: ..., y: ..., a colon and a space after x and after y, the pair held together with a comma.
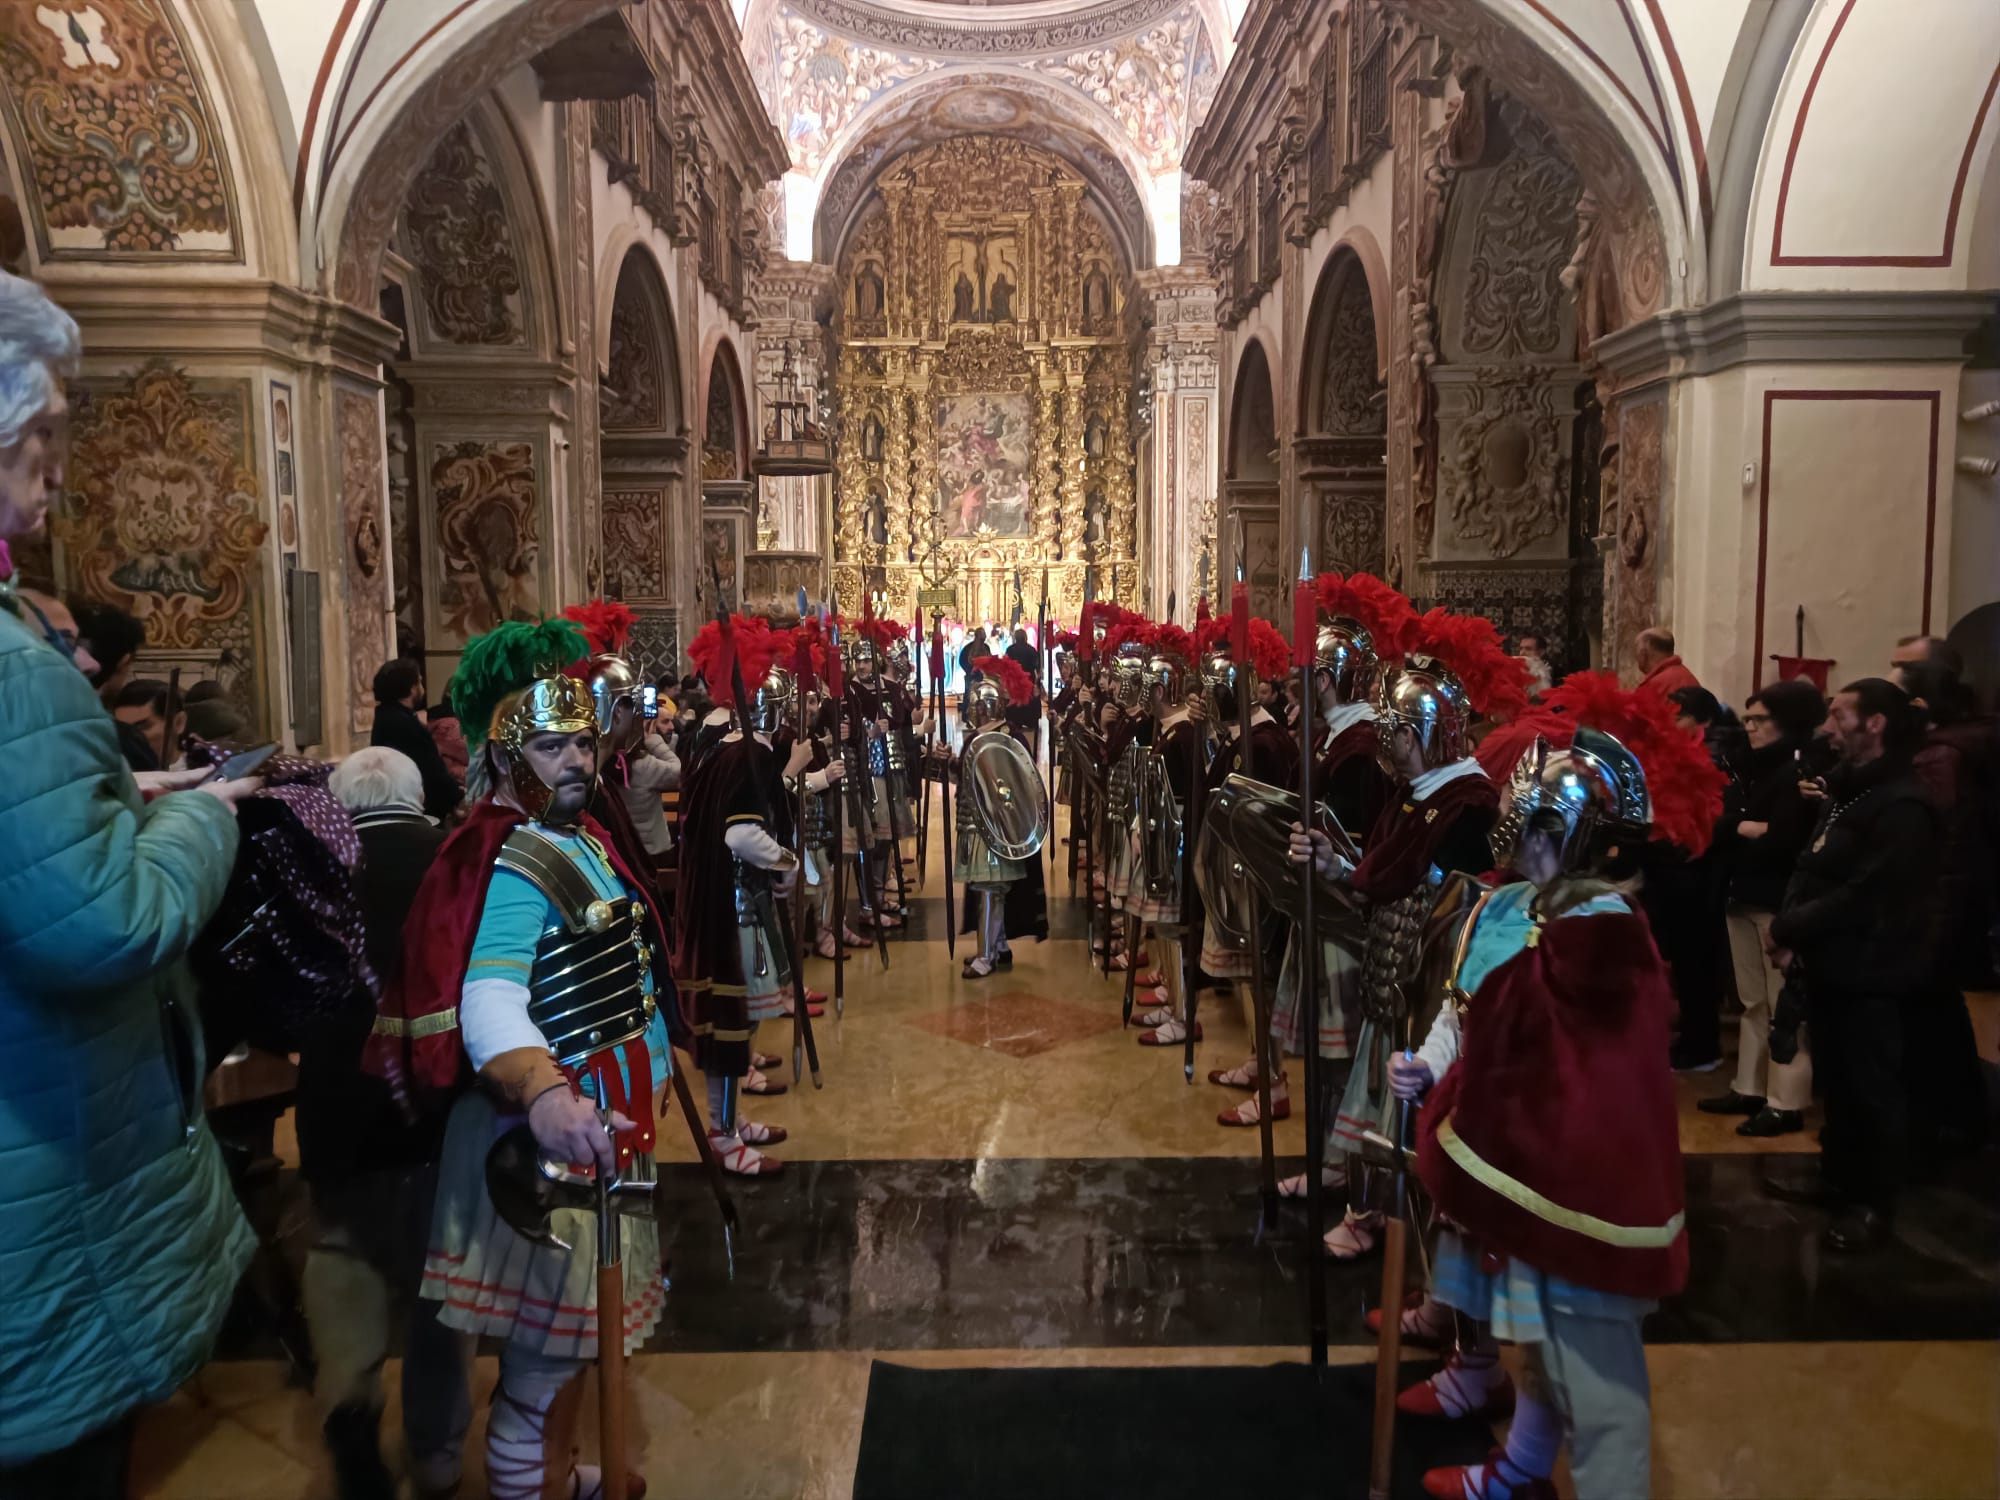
x: 995, y: 1175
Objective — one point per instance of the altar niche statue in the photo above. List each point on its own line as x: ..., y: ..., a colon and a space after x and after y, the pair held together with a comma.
x: 867, y: 293
x: 1095, y: 515
x: 871, y: 439
x: 1001, y: 300
x: 962, y: 294
x: 1096, y: 297
x: 1094, y: 442
x: 878, y: 518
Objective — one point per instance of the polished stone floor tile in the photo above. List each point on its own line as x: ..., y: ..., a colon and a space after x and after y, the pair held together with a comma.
x: 1018, y: 1023
x: 1837, y: 1421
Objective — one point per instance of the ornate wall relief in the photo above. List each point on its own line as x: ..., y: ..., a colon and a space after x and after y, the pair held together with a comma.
x: 457, y: 233
x: 635, y: 544
x: 720, y: 443
x: 365, y: 558
x: 488, y: 537
x: 1517, y: 226
x: 1503, y: 478
x: 165, y: 517
x: 1633, y: 519
x: 119, y: 137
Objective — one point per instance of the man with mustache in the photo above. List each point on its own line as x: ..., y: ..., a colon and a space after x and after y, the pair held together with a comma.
x: 533, y: 999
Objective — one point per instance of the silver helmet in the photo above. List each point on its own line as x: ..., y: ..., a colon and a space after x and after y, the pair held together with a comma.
x: 1596, y: 786
x: 771, y: 700
x: 1344, y: 658
x: 1421, y: 694
x: 987, y: 704
x: 1219, y: 672
x: 613, y: 680
x: 863, y: 659
x: 1165, y: 681
x: 1129, y: 676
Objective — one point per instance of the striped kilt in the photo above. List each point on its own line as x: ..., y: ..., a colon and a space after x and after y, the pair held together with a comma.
x: 1220, y: 957
x: 496, y: 1284
x: 1339, y: 1002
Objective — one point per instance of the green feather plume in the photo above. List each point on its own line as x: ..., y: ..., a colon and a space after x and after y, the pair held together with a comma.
x: 506, y: 659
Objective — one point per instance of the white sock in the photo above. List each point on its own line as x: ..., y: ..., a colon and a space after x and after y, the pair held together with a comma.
x: 515, y: 1433
x: 1468, y: 1378
x: 1534, y: 1437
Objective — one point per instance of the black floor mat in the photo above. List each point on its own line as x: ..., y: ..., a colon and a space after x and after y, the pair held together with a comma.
x: 1161, y: 1433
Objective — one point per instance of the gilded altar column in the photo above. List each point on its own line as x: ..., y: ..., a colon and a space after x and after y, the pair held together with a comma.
x: 1071, y: 457
x: 1119, y: 498
x: 851, y: 500
x: 896, y: 457
x: 923, y: 461
x: 1048, y: 463
x: 1070, y: 289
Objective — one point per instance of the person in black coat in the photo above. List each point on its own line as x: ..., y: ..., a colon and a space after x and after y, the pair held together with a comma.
x: 1766, y: 822
x: 399, y: 702
x: 373, y: 1178
x: 1857, y: 922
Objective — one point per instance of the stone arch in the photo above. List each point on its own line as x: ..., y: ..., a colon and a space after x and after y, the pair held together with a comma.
x: 644, y: 453
x: 1343, y: 416
x: 367, y: 170
x: 1253, y: 424
x: 725, y: 418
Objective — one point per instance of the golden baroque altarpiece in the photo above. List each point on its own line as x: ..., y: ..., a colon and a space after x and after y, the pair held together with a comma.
x: 984, y: 386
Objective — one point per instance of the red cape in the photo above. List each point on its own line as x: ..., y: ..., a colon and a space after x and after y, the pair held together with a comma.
x: 437, y: 946
x: 1554, y: 1139
x: 1405, y: 837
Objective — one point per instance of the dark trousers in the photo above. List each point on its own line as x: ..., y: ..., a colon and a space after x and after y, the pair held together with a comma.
x: 1948, y: 1103
x: 1686, y: 901
x: 1857, y: 1040
x: 91, y: 1468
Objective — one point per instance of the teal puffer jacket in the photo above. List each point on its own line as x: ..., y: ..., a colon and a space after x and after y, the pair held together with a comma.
x: 120, y: 1242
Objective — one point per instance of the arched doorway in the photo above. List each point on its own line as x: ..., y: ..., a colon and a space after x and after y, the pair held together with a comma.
x: 1344, y: 422
x: 1250, y: 486
x: 728, y: 493
x: 648, y: 531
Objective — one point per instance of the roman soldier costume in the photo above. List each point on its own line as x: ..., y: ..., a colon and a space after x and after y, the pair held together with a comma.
x: 1171, y: 781
x: 1003, y: 815
x: 537, y: 974
x: 1428, y: 845
x: 1548, y: 1135
x: 1357, y: 617
x: 732, y: 953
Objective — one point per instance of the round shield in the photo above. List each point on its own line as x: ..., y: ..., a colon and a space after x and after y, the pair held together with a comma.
x: 1007, y: 796
x: 1161, y: 830
x: 1254, y: 819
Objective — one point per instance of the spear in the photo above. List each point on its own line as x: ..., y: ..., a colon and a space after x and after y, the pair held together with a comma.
x: 836, y: 857
x: 1042, y: 649
x: 1239, y: 649
x: 1305, y: 641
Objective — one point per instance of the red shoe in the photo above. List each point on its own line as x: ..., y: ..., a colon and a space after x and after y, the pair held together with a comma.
x: 1422, y: 1400
x: 1433, y: 1339
x: 1152, y: 1038
x: 1152, y: 979
x: 1451, y: 1483
x: 1281, y: 1109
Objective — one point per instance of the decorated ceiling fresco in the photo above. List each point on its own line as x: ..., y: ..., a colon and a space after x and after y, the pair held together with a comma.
x: 1149, y: 65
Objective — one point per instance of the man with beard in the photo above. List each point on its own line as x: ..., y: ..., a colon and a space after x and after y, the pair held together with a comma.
x: 490, y: 1014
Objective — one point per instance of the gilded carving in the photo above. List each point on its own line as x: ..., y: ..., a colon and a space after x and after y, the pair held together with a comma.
x: 1350, y: 394
x: 365, y: 574
x: 462, y: 244
x: 488, y: 534
x: 719, y: 436
x: 122, y: 150
x: 633, y: 397
x: 165, y: 518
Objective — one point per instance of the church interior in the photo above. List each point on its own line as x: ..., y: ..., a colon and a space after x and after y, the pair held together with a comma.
x: 1608, y: 321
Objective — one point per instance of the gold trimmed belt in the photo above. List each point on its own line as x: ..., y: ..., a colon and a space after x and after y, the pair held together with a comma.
x: 431, y: 1025
x: 1630, y: 1237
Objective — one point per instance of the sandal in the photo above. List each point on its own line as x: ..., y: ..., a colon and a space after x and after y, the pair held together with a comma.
x: 754, y: 1134
x: 1151, y: 979
x: 1172, y: 1034
x: 1242, y: 1076
x: 1246, y: 1112
x: 1353, y: 1237
x: 756, y: 1081
x: 1155, y: 1018
x: 825, y: 946
x: 1295, y: 1187
x: 765, y: 1060
x: 1420, y: 1325
x: 1004, y: 959
x: 1119, y: 963
x: 738, y: 1159
x: 976, y: 968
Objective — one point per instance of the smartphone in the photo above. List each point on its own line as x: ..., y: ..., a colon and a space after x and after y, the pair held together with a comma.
x: 243, y: 763
x: 649, y: 700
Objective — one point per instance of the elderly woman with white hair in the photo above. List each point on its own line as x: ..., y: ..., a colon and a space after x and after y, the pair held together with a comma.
x: 373, y: 1178
x: 124, y: 1239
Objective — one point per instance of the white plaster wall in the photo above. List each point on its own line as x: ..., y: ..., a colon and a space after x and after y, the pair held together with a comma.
x: 295, y: 35
x: 1884, y: 137
x: 1704, y: 34
x: 1841, y: 512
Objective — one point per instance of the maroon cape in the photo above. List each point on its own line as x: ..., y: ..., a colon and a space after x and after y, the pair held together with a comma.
x: 1404, y: 842
x: 437, y: 946
x: 1564, y: 1148
x: 708, y: 953
x: 1347, y: 777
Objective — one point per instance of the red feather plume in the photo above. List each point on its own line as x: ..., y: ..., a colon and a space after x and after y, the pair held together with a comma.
x: 1173, y: 640
x: 1066, y: 640
x: 1211, y: 633
x: 1014, y: 679
x: 883, y: 633
x: 806, y: 637
x: 1270, y: 652
x: 1384, y: 612
x: 607, y: 624
x: 1684, y: 785
x: 1471, y: 648
x: 756, y: 648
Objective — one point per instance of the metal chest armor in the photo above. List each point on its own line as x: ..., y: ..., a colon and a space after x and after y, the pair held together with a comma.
x: 586, y: 989
x: 1394, y: 944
